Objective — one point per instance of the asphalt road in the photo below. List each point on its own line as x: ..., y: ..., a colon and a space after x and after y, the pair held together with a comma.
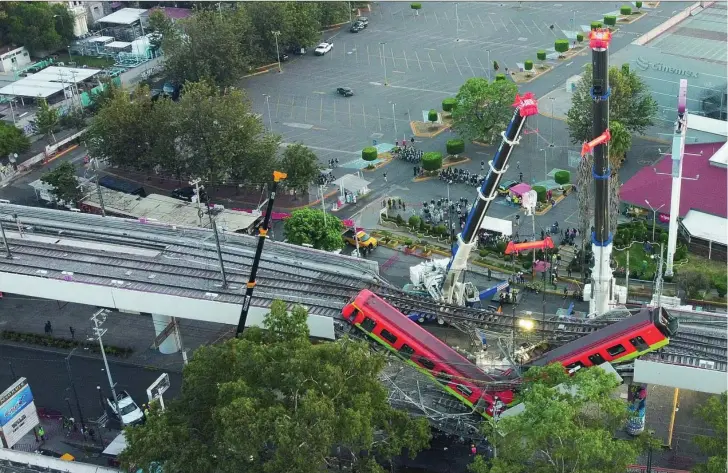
x: 48, y: 378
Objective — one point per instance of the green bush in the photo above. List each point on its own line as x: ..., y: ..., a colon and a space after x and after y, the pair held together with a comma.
x: 369, y: 153
x: 527, y: 265
x: 64, y: 343
x: 415, y: 6
x: 681, y: 252
x: 495, y: 65
x: 414, y: 221
x: 625, y: 10
x: 540, y: 192
x: 449, y: 104
x: 399, y: 220
x: 541, y: 55
x: 638, y: 4
x: 440, y: 230
x: 595, y: 25
x: 561, y: 45
x: 500, y: 77
x: 483, y: 253
x: 663, y: 238
x: 580, y: 37
x: 432, y: 161
x: 528, y: 65
x: 562, y: 177
x: 501, y: 246
x: 432, y: 115
x: 721, y: 287
x: 455, y: 146
x: 610, y: 20
x: 625, y: 69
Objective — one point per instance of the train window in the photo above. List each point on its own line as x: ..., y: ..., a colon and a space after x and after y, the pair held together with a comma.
x: 406, y: 351
x: 388, y: 336
x: 616, y: 350
x: 639, y: 343
x: 368, y: 324
x: 572, y: 367
x: 443, y: 377
x: 426, y: 363
x: 464, y: 390
x: 596, y: 359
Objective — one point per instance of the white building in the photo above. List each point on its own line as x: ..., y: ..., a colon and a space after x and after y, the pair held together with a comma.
x: 96, y: 11
x: 77, y: 9
x: 12, y: 58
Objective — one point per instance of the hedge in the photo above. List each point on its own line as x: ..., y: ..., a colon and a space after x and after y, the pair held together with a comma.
x: 561, y: 45
x: 540, y: 192
x: 432, y: 115
x: 369, y: 153
x: 63, y: 343
x: 415, y: 6
x: 414, y: 221
x: 625, y: 69
x: 595, y: 25
x: 610, y: 20
x: 625, y: 10
x: 580, y: 37
x: 500, y: 77
x: 528, y: 65
x: 455, y: 146
x: 432, y: 161
x: 638, y: 4
x: 541, y: 55
x: 449, y: 104
x: 562, y: 177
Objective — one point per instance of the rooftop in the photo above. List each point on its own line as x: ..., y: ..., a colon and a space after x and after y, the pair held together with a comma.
x: 125, y: 16
x: 706, y: 226
x: 703, y: 35
x: 706, y: 194
x: 47, y: 82
x: 174, y: 13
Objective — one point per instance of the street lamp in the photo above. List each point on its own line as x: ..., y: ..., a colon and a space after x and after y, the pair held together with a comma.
x: 487, y: 67
x: 545, y: 165
x: 384, y: 62
x: 654, y: 216
x: 276, y: 34
x: 270, y: 119
x: 394, y: 120
x: 551, y: 145
x: 457, y: 23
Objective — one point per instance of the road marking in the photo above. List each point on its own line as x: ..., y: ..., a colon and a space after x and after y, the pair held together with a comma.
x: 321, y: 93
x: 430, y: 49
x: 570, y: 63
x: 304, y: 126
x: 553, y: 31
x: 418, y: 60
x: 305, y: 111
x: 487, y: 71
x: 379, y: 115
x: 471, y: 67
x: 406, y: 62
x: 321, y: 111
x: 375, y: 83
x: 445, y: 65
x: 278, y: 103
x: 293, y: 105
x: 504, y: 25
x: 423, y: 90
x: 480, y: 20
x: 495, y: 28
x: 369, y: 60
x: 285, y: 145
x: 526, y: 26
x: 394, y: 63
x: 399, y: 72
x: 364, y: 113
x: 539, y: 28
x: 514, y: 24
x: 432, y: 64
x: 349, y: 102
x: 456, y: 65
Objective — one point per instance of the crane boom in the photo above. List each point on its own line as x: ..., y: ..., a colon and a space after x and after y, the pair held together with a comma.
x: 452, y: 287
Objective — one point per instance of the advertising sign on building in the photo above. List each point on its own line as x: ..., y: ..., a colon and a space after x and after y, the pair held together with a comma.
x: 18, y: 415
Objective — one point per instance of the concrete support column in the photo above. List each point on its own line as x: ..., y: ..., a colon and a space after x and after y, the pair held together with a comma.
x: 637, y: 398
x: 162, y: 325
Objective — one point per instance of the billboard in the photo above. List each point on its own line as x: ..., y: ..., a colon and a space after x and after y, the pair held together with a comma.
x: 18, y: 415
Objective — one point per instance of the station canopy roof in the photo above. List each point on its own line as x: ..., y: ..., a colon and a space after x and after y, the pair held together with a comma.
x: 100, y: 39
x: 47, y: 82
x: 118, y: 45
x: 707, y: 227
x: 125, y: 16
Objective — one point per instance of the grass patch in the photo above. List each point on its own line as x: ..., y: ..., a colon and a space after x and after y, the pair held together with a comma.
x: 714, y: 270
x: 89, y: 61
x: 637, y: 256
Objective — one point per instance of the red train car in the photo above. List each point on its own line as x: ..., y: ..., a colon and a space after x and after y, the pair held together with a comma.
x: 425, y: 352
x: 646, y: 331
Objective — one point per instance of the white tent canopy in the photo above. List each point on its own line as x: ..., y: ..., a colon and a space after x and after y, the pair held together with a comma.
x: 352, y: 183
x: 47, y: 82
x: 118, y: 45
x: 125, y: 16
x: 498, y: 225
x: 706, y: 226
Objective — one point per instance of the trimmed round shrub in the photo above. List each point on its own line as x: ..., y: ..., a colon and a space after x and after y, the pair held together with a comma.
x: 414, y: 221
x: 449, y: 104
x: 638, y: 4
x: 595, y: 25
x: 610, y: 20
x: 415, y: 6
x: 721, y: 287
x: 455, y: 146
x: 541, y: 55
x: 432, y: 115
x: 369, y: 153
x: 432, y: 161
x: 561, y: 45
x: 528, y: 65
x: 562, y: 177
x: 500, y: 77
x: 625, y: 69
x: 540, y: 192
x: 625, y: 10
x: 580, y: 37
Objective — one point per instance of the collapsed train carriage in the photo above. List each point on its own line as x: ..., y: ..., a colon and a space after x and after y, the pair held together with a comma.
x: 646, y: 331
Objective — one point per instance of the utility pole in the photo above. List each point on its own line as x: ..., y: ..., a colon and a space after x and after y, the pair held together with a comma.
x: 276, y: 34
x: 213, y: 224
x: 98, y: 187
x: 349, y: 12
x: 384, y: 62
x: 658, y: 282
x: 394, y: 120
x: 99, y: 333
x: 196, y: 184
x: 322, y: 189
x: 75, y: 393
x: 270, y: 119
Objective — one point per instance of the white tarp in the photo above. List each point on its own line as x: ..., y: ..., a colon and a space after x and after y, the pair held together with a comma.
x: 125, y: 16
x: 118, y: 45
x: 498, y: 225
x: 351, y: 183
x: 706, y: 226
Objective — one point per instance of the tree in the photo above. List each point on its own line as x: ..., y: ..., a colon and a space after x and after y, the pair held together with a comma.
x: 455, y: 146
x: 431, y: 161
x: 694, y: 283
x: 561, y: 45
x: 562, y: 177
x: 301, y: 165
x: 33, y: 25
x: 625, y: 10
x: 432, y: 115
x: 564, y: 429
x: 314, y: 227
x: 449, y: 104
x: 580, y: 37
x: 484, y: 108
x: 160, y: 27
x: 595, y: 25
x: 370, y: 153
x: 610, y: 20
x: 416, y: 7
x: 585, y: 203
x: 500, y: 77
x: 630, y: 103
x: 64, y: 182
x: 638, y: 4
x: 528, y: 66
x: 273, y: 401
x: 540, y: 193
x: 46, y: 119
x: 714, y: 414
x: 619, y: 144
x: 12, y: 140
x: 333, y: 13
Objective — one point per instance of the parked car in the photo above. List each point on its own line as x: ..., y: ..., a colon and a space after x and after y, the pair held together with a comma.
x: 296, y: 50
x: 505, y: 186
x: 283, y: 57
x: 364, y: 240
x: 345, y: 91
x: 129, y: 411
x: 357, y: 27
x: 186, y: 194
x: 363, y: 20
x: 323, y: 48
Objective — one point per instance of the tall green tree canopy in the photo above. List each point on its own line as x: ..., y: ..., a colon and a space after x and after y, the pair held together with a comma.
x: 270, y: 402
x: 483, y: 108
x: 630, y: 104
x: 564, y: 430
x: 64, y: 182
x: 39, y: 26
x: 12, y: 140
x: 313, y: 227
x: 714, y: 414
x: 301, y: 165
x: 620, y: 143
x: 46, y: 119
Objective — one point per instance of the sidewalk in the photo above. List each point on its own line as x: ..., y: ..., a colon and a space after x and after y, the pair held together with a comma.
x: 133, y: 331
